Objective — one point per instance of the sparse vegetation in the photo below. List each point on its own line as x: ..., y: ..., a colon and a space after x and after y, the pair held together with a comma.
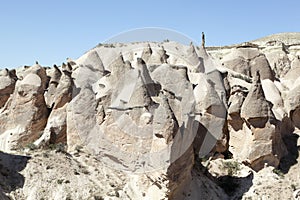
x: 293, y: 186
x: 45, y: 154
x: 60, y: 181
x: 98, y: 198
x: 105, y: 45
x: 59, y: 147
x: 204, y: 159
x: 31, y: 146
x: 109, y: 45
x: 278, y: 172
x: 232, y: 167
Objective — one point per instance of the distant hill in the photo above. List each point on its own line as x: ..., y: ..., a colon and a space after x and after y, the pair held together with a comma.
x: 286, y: 38
x: 289, y: 39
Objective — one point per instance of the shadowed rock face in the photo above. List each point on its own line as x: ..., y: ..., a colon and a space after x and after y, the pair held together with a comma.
x: 56, y: 127
x: 150, y: 108
x: 261, y: 64
x: 141, y: 120
x: 255, y: 109
x: 7, y: 85
x: 25, y: 114
x: 293, y: 105
x: 247, y: 61
x: 263, y: 140
x: 10, y: 167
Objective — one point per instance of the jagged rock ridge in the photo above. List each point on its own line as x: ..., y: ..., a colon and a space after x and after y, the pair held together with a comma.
x: 150, y: 109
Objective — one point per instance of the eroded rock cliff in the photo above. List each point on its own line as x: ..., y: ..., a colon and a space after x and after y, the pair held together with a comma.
x: 148, y: 112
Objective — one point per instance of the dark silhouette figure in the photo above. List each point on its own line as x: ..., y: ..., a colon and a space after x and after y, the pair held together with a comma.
x: 203, y: 39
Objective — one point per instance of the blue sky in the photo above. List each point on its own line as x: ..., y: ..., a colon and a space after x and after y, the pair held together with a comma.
x: 51, y: 31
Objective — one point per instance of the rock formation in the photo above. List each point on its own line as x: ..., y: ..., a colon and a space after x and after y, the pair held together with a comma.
x: 25, y: 114
x: 7, y: 81
x: 151, y: 111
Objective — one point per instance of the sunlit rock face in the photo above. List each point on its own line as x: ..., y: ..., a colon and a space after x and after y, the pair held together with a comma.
x: 148, y: 109
x: 151, y: 110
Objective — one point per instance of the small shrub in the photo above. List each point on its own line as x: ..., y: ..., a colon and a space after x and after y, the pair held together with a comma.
x: 117, y: 193
x: 31, y: 146
x: 45, y: 154
x: 59, y: 147
x: 293, y: 186
x: 278, y: 172
x: 60, y: 181
x: 109, y: 45
x: 231, y: 167
x: 204, y: 159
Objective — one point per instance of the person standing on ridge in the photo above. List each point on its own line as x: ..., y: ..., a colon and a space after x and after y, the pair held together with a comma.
x: 203, y: 39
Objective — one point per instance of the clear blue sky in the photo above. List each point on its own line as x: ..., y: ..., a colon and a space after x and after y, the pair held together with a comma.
x: 51, y: 31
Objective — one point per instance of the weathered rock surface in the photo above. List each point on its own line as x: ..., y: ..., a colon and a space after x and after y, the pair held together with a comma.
x: 25, y: 114
x: 141, y: 114
x: 147, y: 112
x: 255, y: 109
x: 253, y: 122
x: 247, y: 61
x: 7, y: 85
x: 293, y: 107
x: 56, y: 128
